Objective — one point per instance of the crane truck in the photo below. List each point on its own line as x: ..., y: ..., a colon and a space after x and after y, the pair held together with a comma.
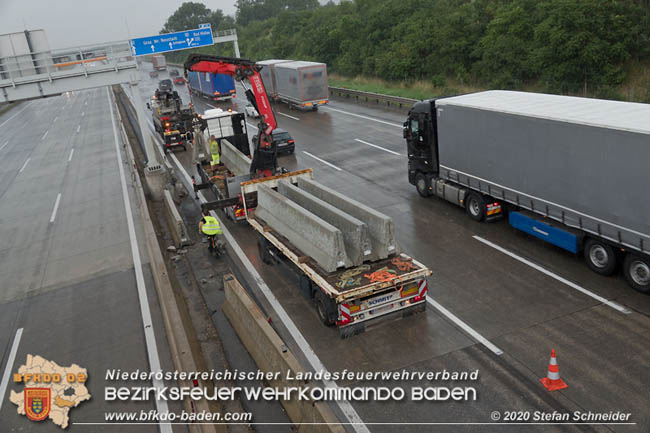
x: 345, y: 254
x: 570, y: 171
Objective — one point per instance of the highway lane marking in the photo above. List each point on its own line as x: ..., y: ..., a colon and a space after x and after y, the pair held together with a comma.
x: 364, y: 117
x: 322, y: 160
x: 3, y: 146
x: 464, y: 326
x: 378, y: 147
x: 545, y: 271
x: 145, y: 312
x: 210, y: 105
x: 55, y: 119
x: 78, y: 128
x: 24, y: 108
x: 71, y: 153
x: 56, y: 207
x: 45, y: 135
x: 290, y: 117
x: 10, y: 365
x: 24, y: 165
x: 251, y: 125
x: 346, y: 408
x: 83, y: 113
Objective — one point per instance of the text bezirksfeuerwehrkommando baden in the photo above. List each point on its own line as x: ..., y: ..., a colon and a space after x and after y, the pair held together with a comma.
x: 346, y: 375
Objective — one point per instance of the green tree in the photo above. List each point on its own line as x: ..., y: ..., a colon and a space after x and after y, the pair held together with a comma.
x: 584, y: 44
x: 190, y: 14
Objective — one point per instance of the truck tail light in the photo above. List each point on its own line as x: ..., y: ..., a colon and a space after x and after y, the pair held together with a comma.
x: 217, y: 93
x: 291, y: 141
x: 422, y: 291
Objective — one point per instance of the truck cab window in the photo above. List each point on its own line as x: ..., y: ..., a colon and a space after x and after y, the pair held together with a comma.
x: 414, y: 127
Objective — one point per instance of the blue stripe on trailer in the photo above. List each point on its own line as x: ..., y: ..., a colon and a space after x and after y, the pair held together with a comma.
x: 550, y: 234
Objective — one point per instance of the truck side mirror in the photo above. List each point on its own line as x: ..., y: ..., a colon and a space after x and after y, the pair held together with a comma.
x: 148, y: 106
x: 405, y: 132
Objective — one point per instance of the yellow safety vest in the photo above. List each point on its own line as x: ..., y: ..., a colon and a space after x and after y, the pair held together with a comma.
x: 214, y: 150
x: 211, y: 226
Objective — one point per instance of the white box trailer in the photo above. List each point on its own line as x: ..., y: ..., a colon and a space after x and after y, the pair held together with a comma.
x: 302, y: 84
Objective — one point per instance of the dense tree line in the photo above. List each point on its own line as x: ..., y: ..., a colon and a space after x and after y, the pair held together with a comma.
x: 550, y: 45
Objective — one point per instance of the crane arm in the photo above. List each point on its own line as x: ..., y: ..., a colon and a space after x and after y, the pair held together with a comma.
x: 240, y: 69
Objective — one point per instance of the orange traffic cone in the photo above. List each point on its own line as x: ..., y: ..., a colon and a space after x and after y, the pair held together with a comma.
x: 552, y: 381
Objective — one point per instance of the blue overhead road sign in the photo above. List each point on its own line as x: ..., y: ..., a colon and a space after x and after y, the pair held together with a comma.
x: 172, y: 41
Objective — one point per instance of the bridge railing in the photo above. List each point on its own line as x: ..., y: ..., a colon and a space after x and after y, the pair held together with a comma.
x: 53, y: 64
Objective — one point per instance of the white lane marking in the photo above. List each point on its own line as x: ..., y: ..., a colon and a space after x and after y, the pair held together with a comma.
x: 45, y: 135
x: 10, y: 365
x: 147, y: 323
x: 464, y: 326
x: 71, y: 153
x: 251, y: 125
x: 364, y: 117
x: 290, y: 117
x: 24, y: 108
x: 56, y: 207
x: 3, y: 146
x: 544, y: 271
x: 322, y: 160
x: 24, y: 165
x: 78, y: 128
x: 317, y: 365
x: 550, y: 202
x: 378, y: 147
x: 210, y: 105
x: 55, y: 119
x: 83, y: 113
x: 86, y: 103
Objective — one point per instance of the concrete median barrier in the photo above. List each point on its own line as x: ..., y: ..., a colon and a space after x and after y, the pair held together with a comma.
x: 272, y: 355
x: 175, y: 222
x: 355, y: 232
x: 380, y: 226
x: 231, y: 157
x: 309, y: 233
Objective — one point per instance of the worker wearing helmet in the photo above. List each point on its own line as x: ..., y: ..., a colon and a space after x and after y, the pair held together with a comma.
x: 215, y: 152
x: 210, y: 227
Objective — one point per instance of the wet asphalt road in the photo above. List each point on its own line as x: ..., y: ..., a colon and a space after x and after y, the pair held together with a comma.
x: 604, y: 355
x: 66, y: 276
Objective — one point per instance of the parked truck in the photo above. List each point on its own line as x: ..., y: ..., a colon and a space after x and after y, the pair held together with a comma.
x: 171, y: 119
x: 301, y: 84
x: 357, y: 291
x: 570, y: 171
x: 159, y: 63
x: 230, y: 129
x: 216, y: 87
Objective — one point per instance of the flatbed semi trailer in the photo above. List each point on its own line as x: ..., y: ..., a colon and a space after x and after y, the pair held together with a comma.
x: 570, y: 171
x: 350, y: 298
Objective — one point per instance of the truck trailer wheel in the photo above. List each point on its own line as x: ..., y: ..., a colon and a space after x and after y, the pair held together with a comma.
x: 475, y: 206
x: 422, y: 185
x: 600, y: 256
x: 325, y: 308
x: 637, y: 272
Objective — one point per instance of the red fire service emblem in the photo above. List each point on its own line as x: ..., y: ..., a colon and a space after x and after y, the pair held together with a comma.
x: 37, y: 403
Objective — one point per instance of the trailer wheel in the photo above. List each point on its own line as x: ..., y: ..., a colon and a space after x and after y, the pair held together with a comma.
x: 263, y: 249
x: 325, y: 307
x: 600, y: 257
x: 422, y: 185
x: 305, y: 286
x: 637, y: 272
x: 475, y: 206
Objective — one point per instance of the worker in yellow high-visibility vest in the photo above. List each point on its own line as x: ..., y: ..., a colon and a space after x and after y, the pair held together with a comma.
x: 210, y: 227
x: 215, y: 152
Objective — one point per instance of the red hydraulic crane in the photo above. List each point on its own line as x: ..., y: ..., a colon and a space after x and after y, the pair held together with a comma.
x: 264, y: 161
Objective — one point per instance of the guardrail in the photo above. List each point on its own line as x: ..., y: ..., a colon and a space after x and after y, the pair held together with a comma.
x: 379, y: 98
